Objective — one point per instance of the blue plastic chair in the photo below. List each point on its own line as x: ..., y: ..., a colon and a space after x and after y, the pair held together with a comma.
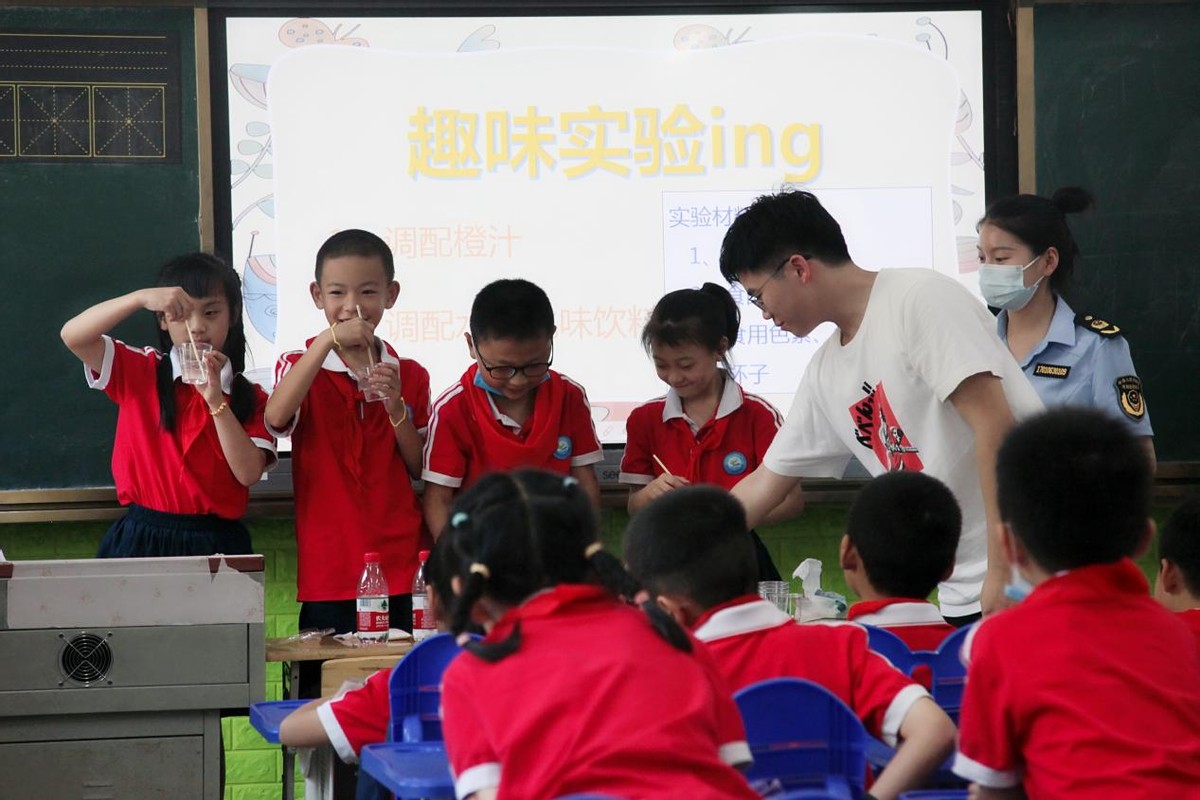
x: 265, y: 717
x: 411, y: 771
x: 949, y: 675
x: 415, y: 690
x: 803, y: 736
x: 891, y: 647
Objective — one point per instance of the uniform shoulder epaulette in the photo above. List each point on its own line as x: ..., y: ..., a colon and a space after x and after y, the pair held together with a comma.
x: 1096, y: 325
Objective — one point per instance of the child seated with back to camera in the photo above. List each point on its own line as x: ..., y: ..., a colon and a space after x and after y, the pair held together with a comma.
x: 572, y: 690
x: 509, y: 410
x: 1087, y: 688
x: 900, y: 541
x: 1178, y: 583
x: 691, y: 549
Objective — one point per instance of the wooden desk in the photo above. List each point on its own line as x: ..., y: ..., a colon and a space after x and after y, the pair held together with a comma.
x: 292, y: 652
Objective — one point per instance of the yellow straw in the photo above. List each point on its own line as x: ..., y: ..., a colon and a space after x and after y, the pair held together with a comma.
x: 192, y: 339
x: 661, y: 465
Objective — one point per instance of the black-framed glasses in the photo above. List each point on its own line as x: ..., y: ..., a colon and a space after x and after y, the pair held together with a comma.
x: 503, y: 373
x: 756, y: 297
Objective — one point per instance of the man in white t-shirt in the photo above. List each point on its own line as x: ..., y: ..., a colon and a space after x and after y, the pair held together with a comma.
x: 914, y: 378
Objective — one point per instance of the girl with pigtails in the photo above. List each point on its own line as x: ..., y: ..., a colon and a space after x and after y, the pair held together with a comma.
x: 572, y: 690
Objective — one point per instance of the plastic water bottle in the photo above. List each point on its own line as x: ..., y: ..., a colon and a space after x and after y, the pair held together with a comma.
x: 424, y: 623
x: 372, y: 601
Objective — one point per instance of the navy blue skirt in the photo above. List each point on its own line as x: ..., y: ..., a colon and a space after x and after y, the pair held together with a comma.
x: 145, y: 533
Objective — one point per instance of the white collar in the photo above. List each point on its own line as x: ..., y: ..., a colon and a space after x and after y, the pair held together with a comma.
x: 731, y: 401
x: 916, y: 612
x: 755, y: 615
x: 226, y: 372
x: 333, y: 362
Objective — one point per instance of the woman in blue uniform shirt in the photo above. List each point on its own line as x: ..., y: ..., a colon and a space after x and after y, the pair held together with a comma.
x: 1027, y: 255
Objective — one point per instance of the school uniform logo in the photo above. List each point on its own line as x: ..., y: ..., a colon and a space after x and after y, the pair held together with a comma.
x: 563, y: 451
x: 734, y: 463
x: 1129, y: 390
x: 876, y: 428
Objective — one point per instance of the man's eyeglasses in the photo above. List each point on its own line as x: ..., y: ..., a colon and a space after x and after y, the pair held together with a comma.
x: 534, y: 370
x: 756, y: 297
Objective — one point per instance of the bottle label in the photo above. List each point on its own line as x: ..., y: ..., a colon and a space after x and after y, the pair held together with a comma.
x: 423, y: 622
x: 373, y: 616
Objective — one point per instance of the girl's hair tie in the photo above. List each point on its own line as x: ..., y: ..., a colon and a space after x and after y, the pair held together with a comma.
x: 458, y: 519
x: 481, y: 569
x: 592, y: 549
x: 570, y: 481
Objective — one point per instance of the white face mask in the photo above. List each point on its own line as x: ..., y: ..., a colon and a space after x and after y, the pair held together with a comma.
x: 1003, y: 286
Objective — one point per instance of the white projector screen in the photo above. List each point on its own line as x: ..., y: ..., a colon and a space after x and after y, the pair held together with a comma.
x: 601, y: 157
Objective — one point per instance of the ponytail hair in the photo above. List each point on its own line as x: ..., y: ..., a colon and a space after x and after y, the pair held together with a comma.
x: 701, y: 316
x: 1041, y: 223
x: 519, y: 533
x: 202, y: 275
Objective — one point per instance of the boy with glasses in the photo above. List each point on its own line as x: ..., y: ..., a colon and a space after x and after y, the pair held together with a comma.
x: 914, y: 378
x: 509, y: 409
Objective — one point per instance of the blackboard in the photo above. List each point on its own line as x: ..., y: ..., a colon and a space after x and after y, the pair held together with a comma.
x: 77, y: 230
x: 1117, y: 108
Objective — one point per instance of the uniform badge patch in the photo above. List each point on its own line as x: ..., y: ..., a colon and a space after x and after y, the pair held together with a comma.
x: 564, y: 448
x: 1100, y: 326
x: 1052, y: 370
x: 1129, y: 391
x: 734, y: 463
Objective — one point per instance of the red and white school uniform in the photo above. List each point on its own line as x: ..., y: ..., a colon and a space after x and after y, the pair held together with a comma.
x: 353, y: 492
x: 359, y: 717
x: 469, y: 437
x: 593, y: 700
x: 179, y: 472
x: 1191, y: 618
x: 721, y: 451
x: 1086, y: 689
x: 918, y: 623
x: 751, y: 640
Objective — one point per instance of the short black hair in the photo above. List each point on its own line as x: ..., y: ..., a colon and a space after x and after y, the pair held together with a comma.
x: 905, y: 526
x: 1074, y: 485
x: 511, y: 308
x: 1179, y: 542
x: 355, y: 242
x: 778, y: 225
x: 693, y: 542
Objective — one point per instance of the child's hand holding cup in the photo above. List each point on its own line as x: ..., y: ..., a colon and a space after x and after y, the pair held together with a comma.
x: 193, y: 365
x: 379, y: 382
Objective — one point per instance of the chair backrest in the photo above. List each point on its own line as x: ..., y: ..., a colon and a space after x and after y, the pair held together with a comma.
x: 891, y: 647
x: 949, y: 673
x: 801, y: 734
x: 415, y: 690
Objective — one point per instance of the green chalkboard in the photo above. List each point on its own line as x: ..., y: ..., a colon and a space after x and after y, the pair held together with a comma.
x: 1118, y: 111
x: 91, y: 224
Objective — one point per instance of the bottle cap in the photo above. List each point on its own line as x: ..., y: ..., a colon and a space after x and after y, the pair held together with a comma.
x: 423, y: 555
x: 371, y: 557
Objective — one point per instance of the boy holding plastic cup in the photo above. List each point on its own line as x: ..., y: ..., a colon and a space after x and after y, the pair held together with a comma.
x: 352, y: 459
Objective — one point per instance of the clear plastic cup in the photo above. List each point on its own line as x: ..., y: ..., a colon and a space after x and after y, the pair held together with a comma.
x: 370, y: 393
x: 775, y: 592
x: 192, y: 368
